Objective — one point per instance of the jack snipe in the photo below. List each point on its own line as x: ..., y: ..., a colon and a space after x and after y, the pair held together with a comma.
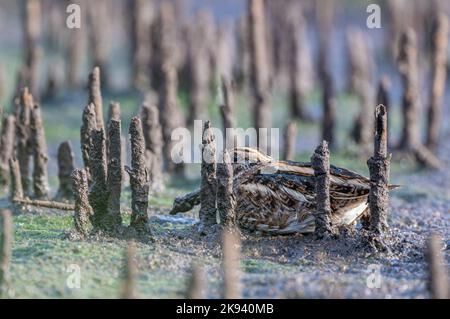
x: 278, y: 197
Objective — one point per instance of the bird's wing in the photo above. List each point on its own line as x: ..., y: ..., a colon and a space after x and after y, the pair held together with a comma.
x: 276, y: 204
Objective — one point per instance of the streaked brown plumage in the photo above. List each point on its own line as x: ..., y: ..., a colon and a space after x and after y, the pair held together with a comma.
x: 278, y: 197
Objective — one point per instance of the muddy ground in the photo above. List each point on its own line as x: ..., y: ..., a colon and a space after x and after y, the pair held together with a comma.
x: 302, y: 267
x: 272, y: 267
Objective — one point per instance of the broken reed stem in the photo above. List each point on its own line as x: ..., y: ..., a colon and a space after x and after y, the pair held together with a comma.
x: 232, y: 288
x: 16, y: 180
x: 154, y: 146
x: 290, y: 132
x: 425, y: 157
x: 259, y: 69
x: 361, y: 64
x: 23, y: 139
x: 223, y: 55
x: 75, y: 52
x: 329, y: 110
x: 44, y: 204
x: 379, y: 167
x: 54, y: 36
x: 281, y: 19
x: 33, y: 58
x: 227, y: 111
x: 321, y: 164
x: 83, y: 210
x: 125, y: 177
x: 98, y: 195
x: 383, y: 98
x: 195, y: 287
x: 40, y: 154
x: 141, y: 22
x: 294, y: 25
x: 53, y: 81
x: 114, y: 181
x: 208, y: 174
x: 408, y: 69
x: 364, y: 121
x: 438, y: 282
x: 95, y: 96
x: 439, y: 75
x: 139, y: 182
x: 66, y: 165
x: 170, y: 111
x: 383, y: 92
x: 243, y: 52
x: 6, y: 147
x: 32, y: 30
x: 114, y: 113
x: 88, y: 125
x: 324, y: 10
x: 32, y: 23
x: 397, y: 22
x: 199, y: 66
x: 6, y: 242
x: 130, y: 273
x: 226, y: 201
x: 185, y: 203
x: 161, y: 36
x: 19, y: 87
x: 2, y: 82
x: 169, y: 117
x: 98, y: 25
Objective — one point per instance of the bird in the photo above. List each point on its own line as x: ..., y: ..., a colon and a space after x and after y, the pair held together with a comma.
x: 278, y: 197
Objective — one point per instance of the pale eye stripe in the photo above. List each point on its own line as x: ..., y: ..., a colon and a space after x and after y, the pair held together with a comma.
x: 282, y: 167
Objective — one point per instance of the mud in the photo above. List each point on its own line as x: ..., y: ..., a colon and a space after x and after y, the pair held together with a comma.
x: 303, y: 267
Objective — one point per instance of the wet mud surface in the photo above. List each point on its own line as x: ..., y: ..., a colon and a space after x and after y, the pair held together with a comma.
x: 301, y: 266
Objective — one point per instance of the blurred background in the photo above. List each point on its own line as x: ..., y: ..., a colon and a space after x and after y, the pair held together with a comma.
x: 208, y: 38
